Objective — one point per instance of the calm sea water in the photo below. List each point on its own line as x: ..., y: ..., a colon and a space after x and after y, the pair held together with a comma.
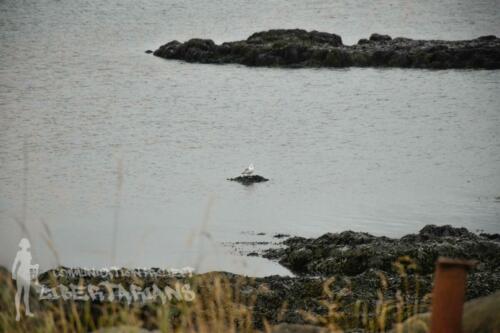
x: 96, y: 136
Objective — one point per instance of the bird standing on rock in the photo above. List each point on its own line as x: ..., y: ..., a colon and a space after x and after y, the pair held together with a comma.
x: 248, y: 171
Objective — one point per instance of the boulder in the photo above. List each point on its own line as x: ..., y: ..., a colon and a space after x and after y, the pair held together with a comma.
x: 380, y: 38
x: 479, y: 315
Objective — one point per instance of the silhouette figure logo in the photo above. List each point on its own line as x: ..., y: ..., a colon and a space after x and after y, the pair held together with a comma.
x: 23, y: 272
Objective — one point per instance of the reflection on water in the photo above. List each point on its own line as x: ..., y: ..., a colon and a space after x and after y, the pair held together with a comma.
x: 382, y: 151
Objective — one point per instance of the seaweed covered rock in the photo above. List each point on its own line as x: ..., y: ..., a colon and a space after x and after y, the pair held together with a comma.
x: 301, y: 48
x: 351, y: 253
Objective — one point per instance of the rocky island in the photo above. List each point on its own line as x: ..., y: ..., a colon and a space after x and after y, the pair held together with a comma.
x: 300, y: 48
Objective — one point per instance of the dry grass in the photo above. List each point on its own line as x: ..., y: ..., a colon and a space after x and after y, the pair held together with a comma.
x: 222, y: 304
x: 219, y: 307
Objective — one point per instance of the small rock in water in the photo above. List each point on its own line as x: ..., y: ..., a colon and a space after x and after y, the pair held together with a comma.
x: 148, y: 52
x: 248, y: 180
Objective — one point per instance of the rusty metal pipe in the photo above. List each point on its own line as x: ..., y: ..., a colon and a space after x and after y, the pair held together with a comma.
x: 449, y: 294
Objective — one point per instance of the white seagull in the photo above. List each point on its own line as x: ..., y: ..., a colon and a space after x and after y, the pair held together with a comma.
x: 248, y: 171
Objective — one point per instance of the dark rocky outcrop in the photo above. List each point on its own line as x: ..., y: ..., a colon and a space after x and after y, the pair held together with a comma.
x: 300, y: 48
x: 248, y: 180
x: 361, y: 263
x: 351, y: 253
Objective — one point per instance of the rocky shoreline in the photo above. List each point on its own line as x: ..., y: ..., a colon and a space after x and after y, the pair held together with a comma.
x: 298, y: 48
x: 364, y: 266
x: 352, y: 253
x: 353, y: 272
